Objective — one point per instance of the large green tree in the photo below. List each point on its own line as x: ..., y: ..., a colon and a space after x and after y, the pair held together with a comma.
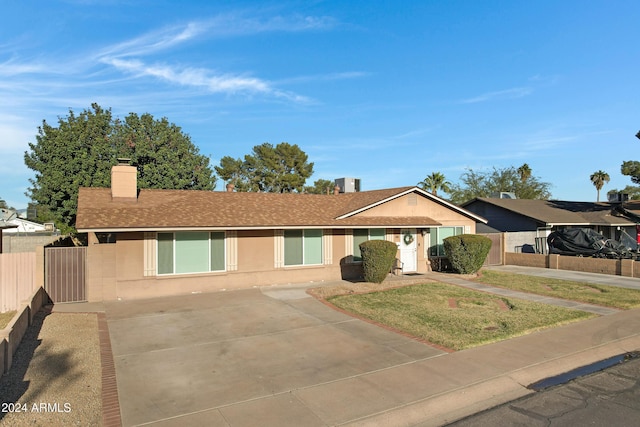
x: 80, y: 151
x: 164, y: 155
x: 485, y: 184
x: 434, y: 182
x: 599, y: 179
x: 631, y: 168
x: 280, y: 169
x: 320, y: 186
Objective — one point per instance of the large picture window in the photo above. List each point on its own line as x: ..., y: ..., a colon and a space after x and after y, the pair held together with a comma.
x: 302, y: 247
x: 437, y: 236
x: 362, y: 235
x: 191, y: 252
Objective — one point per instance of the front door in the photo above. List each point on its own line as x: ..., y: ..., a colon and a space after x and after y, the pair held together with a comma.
x: 409, y: 250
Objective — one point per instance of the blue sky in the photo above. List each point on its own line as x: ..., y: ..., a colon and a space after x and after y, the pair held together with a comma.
x: 386, y: 91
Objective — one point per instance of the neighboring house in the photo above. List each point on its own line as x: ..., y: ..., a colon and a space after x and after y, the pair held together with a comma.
x: 544, y: 216
x: 4, y: 227
x: 25, y: 226
x: 20, y: 235
x: 162, y: 242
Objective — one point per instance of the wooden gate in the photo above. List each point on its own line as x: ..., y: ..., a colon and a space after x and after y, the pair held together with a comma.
x: 64, y: 274
x: 495, y: 254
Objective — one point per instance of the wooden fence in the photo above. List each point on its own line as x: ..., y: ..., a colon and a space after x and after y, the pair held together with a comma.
x: 17, y: 279
x: 495, y: 256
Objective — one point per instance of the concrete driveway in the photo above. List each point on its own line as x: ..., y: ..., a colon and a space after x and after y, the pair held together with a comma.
x: 254, y: 357
x: 277, y: 357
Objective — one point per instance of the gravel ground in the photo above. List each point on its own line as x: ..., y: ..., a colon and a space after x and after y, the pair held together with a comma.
x: 55, y: 379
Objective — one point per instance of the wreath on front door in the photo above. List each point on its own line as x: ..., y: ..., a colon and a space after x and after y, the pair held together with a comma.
x: 408, y: 239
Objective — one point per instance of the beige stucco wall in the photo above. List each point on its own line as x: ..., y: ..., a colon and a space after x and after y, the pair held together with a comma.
x: 422, y: 207
x: 255, y: 250
x: 101, y: 272
x: 116, y: 270
x: 210, y: 282
x: 130, y: 256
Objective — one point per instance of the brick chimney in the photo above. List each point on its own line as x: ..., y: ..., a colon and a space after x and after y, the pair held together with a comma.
x: 124, y: 181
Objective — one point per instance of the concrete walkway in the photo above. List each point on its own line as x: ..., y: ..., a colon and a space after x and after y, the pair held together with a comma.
x: 275, y: 356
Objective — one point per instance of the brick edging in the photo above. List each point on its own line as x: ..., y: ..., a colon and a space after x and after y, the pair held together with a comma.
x: 110, y: 403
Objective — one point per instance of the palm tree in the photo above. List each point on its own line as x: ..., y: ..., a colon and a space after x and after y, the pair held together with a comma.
x: 434, y: 182
x: 599, y: 179
x: 525, y: 172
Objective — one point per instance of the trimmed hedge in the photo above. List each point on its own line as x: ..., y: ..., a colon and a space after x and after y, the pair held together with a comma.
x: 378, y: 257
x: 467, y: 252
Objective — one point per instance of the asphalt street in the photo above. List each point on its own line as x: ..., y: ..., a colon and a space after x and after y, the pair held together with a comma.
x: 606, y: 398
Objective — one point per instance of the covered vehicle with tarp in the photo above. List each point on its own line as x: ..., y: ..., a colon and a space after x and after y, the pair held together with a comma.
x: 586, y: 242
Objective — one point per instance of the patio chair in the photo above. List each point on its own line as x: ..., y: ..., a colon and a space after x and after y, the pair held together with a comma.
x: 397, y: 265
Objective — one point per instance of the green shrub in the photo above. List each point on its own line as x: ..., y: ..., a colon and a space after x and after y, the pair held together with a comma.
x: 377, y: 259
x: 467, y: 252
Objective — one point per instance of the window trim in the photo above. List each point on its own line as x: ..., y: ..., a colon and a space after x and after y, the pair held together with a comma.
x: 303, y: 250
x: 223, y: 256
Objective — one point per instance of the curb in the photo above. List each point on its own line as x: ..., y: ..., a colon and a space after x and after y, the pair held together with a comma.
x: 472, y: 398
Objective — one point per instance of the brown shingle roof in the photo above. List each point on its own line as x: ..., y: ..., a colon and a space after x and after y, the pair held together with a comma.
x: 156, y: 209
x: 558, y: 212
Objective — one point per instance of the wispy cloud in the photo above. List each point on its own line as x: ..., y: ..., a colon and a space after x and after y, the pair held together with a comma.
x: 154, y: 41
x: 12, y: 68
x: 220, y: 26
x: 138, y: 58
x: 190, y: 76
x: 203, y: 78
x: 513, y: 93
x: 127, y: 56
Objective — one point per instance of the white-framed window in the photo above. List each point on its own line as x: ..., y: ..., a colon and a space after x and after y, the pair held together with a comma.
x: 183, y: 252
x: 437, y: 236
x: 362, y: 235
x: 302, y: 247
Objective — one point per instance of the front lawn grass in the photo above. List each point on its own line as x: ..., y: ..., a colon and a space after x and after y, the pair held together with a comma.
x: 455, y: 317
x: 5, y: 318
x: 609, y: 296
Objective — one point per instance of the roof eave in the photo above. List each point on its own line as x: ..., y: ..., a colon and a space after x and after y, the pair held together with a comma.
x: 229, y: 228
